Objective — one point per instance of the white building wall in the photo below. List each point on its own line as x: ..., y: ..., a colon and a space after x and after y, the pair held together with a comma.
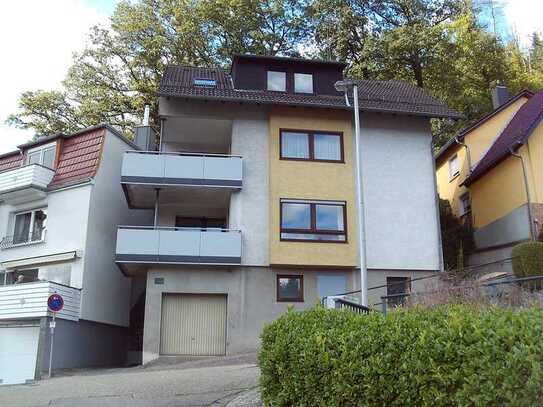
x: 249, y: 207
x: 67, y: 216
x: 106, y: 291
x: 402, y: 226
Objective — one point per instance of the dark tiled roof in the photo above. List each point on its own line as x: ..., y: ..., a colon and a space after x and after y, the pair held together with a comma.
x: 380, y: 96
x: 10, y: 160
x: 79, y: 157
x: 80, y: 154
x: 472, y: 126
x: 515, y: 134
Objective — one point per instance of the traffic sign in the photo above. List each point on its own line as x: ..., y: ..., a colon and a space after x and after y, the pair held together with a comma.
x: 55, y: 303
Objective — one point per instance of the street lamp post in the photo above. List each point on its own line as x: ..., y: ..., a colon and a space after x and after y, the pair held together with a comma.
x: 344, y: 86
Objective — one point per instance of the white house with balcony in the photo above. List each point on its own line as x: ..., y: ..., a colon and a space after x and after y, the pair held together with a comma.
x: 60, y: 203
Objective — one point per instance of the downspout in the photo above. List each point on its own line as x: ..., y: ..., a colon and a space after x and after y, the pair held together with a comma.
x: 527, y: 187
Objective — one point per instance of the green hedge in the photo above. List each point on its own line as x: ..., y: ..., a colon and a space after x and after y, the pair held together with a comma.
x: 528, y: 259
x: 447, y: 356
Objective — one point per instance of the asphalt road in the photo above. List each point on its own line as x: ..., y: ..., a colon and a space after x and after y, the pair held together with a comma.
x: 203, y: 382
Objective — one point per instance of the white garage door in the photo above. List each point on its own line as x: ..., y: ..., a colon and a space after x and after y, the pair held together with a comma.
x: 193, y: 324
x: 18, y: 352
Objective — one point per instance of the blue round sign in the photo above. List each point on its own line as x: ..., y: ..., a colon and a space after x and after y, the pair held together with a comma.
x: 55, y: 303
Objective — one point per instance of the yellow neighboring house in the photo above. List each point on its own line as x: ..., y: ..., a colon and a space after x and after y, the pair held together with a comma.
x: 492, y: 174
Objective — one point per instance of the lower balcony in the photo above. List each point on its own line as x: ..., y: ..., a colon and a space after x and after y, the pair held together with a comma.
x: 29, y: 300
x: 25, y: 184
x: 171, y: 245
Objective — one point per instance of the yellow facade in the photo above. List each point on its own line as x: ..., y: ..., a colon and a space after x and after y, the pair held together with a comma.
x: 311, y: 180
x: 479, y: 141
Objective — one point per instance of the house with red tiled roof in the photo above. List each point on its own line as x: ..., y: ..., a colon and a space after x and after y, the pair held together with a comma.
x: 492, y: 174
x: 60, y: 203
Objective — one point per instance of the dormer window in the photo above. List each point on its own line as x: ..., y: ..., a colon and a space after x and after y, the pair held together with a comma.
x: 210, y: 83
x: 277, y: 81
x: 43, y: 155
x: 303, y: 83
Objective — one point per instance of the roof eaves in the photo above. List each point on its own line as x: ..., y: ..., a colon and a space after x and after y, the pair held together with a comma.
x: 287, y: 59
x: 523, y: 93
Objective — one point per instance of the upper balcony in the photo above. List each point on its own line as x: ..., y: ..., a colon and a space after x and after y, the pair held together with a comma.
x: 29, y: 300
x: 25, y: 183
x: 145, y: 171
x: 174, y: 245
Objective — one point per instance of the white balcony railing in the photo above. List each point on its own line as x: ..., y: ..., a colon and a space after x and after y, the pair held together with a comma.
x: 25, y: 183
x: 178, y: 245
x: 164, y: 168
x: 29, y: 300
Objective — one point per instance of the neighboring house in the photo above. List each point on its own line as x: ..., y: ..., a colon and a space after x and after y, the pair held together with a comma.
x: 60, y: 203
x: 254, y: 194
x: 501, y: 188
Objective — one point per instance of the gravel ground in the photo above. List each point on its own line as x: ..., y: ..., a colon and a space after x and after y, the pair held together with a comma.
x: 167, y: 382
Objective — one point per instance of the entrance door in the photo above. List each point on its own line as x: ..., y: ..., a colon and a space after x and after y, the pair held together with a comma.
x: 18, y: 353
x: 193, y: 324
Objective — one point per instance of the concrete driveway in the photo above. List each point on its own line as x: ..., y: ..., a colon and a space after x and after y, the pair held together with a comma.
x: 168, y: 382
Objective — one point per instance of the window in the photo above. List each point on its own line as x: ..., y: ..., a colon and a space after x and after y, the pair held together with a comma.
x: 200, y: 223
x: 277, y: 81
x: 311, y: 145
x: 290, y: 288
x: 58, y: 273
x: 205, y: 82
x: 303, y: 83
x: 396, y: 286
x: 43, y: 155
x: 29, y: 226
x: 317, y: 221
x: 331, y: 285
x: 465, y: 204
x: 454, y: 168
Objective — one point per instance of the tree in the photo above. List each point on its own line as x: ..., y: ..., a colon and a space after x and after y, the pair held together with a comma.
x: 456, y: 237
x: 118, y: 73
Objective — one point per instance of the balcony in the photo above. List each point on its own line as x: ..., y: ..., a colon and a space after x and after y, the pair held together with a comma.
x: 163, y: 245
x: 25, y: 184
x: 144, y: 171
x: 29, y: 300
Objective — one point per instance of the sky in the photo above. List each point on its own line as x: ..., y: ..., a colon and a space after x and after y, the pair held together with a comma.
x: 38, y: 38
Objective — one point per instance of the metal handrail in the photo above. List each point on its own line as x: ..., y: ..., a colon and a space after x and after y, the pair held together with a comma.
x: 15, y: 240
x: 177, y: 228
x: 183, y: 154
x: 353, y: 306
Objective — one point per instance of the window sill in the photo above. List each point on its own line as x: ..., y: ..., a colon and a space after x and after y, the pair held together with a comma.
x: 11, y: 246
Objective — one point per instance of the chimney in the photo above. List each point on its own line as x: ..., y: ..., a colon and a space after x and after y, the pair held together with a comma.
x: 500, y: 95
x: 144, y: 135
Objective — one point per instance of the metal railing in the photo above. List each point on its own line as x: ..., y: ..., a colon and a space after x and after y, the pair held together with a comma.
x: 207, y: 229
x: 183, y: 153
x: 22, y: 239
x: 351, y: 306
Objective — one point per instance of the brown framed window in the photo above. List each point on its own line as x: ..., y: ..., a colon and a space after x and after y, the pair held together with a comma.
x: 290, y: 288
x: 311, y: 145
x: 277, y: 81
x: 313, y: 221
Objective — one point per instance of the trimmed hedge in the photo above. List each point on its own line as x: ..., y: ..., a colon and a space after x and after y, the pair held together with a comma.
x: 528, y: 259
x: 446, y: 356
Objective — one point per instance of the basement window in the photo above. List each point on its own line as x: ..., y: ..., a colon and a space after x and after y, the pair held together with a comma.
x: 290, y: 288
x: 205, y: 82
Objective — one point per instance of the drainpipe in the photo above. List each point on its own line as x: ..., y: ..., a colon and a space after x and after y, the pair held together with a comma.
x: 161, y: 135
x: 468, y: 154
x: 157, y: 196
x: 527, y: 187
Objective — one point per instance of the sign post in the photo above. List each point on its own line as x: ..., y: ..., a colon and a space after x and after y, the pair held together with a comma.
x: 55, y: 303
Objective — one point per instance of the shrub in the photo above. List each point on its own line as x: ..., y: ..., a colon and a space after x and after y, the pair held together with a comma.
x: 446, y: 356
x: 528, y: 259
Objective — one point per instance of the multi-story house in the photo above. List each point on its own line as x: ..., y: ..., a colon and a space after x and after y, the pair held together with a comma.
x: 60, y: 203
x: 490, y: 174
x: 253, y: 188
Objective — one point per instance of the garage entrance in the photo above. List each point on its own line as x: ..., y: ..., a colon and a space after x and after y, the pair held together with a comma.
x: 18, y: 353
x: 193, y: 324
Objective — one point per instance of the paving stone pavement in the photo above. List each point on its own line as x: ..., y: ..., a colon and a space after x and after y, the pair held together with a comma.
x: 202, y: 382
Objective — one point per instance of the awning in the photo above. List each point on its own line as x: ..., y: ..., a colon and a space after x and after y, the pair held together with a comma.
x: 39, y: 260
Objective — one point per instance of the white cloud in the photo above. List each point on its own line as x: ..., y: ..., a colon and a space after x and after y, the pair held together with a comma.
x: 38, y: 39
x: 524, y: 17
